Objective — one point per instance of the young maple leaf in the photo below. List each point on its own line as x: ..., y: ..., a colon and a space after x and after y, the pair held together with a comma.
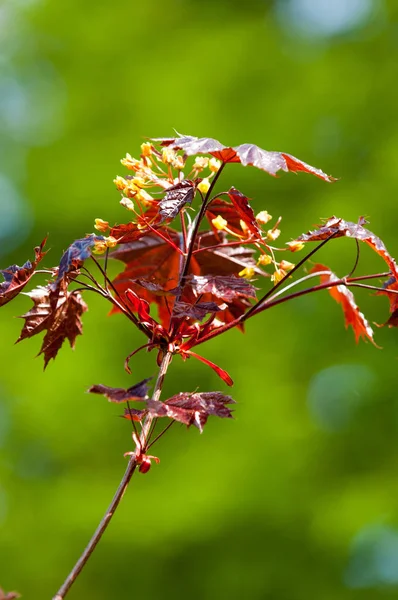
x: 344, y: 296
x: 246, y: 154
x: 340, y: 228
x: 153, y: 260
x: 135, y: 393
x: 75, y: 255
x: 56, y: 312
x: 192, y: 408
x: 391, y: 291
x: 177, y: 196
x: 15, y: 277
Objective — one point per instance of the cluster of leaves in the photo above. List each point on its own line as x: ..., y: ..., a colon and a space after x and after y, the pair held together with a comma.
x: 200, y: 279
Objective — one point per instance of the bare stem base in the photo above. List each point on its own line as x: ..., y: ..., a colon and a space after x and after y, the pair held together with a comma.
x: 63, y: 590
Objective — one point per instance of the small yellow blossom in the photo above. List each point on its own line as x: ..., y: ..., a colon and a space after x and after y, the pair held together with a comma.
x: 146, y: 149
x: 120, y: 183
x: 99, y: 247
x: 214, y: 165
x: 127, y: 203
x: 247, y: 272
x: 286, y: 265
x: 295, y: 246
x: 204, y: 186
x: 244, y: 226
x: 263, y: 217
x: 101, y: 225
x: 278, y: 275
x: 143, y: 196
x: 273, y: 234
x: 179, y: 162
x: 219, y: 223
x: 131, y: 163
x: 201, y: 162
x: 264, y: 260
x: 110, y: 241
x: 168, y: 156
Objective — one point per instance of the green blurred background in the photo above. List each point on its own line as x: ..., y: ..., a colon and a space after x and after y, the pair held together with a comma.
x: 297, y: 498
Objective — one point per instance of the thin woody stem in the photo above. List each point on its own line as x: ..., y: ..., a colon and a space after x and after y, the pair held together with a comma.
x: 131, y: 467
x: 264, y: 305
x: 197, y: 222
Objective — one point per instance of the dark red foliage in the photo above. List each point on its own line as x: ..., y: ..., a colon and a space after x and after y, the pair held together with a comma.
x: 339, y: 228
x: 344, y: 296
x: 76, y: 254
x: 193, y: 408
x: 246, y: 154
x: 137, y: 392
x: 15, y: 277
x: 56, y: 312
x: 177, y: 196
x: 153, y: 270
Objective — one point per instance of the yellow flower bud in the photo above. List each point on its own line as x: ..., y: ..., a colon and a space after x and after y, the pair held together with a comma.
x: 127, y: 203
x: 273, y: 234
x: 286, y: 265
x: 168, y: 156
x: 204, y: 186
x: 219, y: 223
x: 120, y: 183
x: 247, y: 272
x: 130, y: 162
x: 278, y: 275
x: 99, y: 247
x: 201, y: 162
x: 214, y: 165
x: 110, y: 242
x: 101, y: 225
x: 179, y: 162
x: 263, y: 217
x: 264, y: 260
x: 146, y: 149
x: 295, y: 246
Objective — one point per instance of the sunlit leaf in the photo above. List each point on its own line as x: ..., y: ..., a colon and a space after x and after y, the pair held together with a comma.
x: 137, y: 392
x: 344, y: 296
x: 16, y: 278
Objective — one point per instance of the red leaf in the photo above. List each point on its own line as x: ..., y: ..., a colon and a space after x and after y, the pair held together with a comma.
x: 246, y: 154
x: 59, y: 314
x: 137, y: 392
x: 340, y: 228
x: 75, y: 255
x: 153, y: 261
x: 196, y: 311
x: 177, y: 196
x: 15, y: 278
x: 225, y: 287
x: 245, y: 211
x: 345, y: 297
x: 193, y: 408
x: 220, y: 372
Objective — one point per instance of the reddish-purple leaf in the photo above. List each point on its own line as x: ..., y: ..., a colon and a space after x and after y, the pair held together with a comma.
x: 134, y: 414
x: 193, y: 408
x: 245, y: 211
x: 15, y: 277
x: 76, y: 254
x: 196, y: 311
x: 344, y: 296
x: 246, y: 154
x: 224, y: 375
x: 340, y: 228
x: 137, y: 392
x: 56, y: 312
x: 177, y: 196
x: 225, y: 287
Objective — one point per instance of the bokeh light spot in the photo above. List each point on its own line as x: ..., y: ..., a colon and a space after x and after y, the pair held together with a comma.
x: 335, y: 394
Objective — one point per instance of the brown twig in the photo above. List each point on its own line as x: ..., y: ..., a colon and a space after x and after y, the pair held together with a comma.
x: 63, y: 590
